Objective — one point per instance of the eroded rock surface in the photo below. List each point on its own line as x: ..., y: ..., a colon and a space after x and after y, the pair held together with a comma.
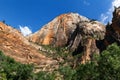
x: 77, y: 33
x: 13, y: 44
x: 58, y: 31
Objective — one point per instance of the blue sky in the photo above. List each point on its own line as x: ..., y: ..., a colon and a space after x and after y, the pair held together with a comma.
x: 30, y: 15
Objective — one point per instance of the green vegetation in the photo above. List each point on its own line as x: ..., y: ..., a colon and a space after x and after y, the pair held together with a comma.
x: 105, y: 66
x: 11, y: 70
x: 59, y: 53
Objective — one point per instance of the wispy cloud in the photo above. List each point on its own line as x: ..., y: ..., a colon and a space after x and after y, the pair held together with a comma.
x: 105, y: 17
x: 86, y: 3
x: 25, y: 30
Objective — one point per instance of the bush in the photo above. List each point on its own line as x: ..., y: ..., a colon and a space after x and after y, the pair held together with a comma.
x: 45, y: 76
x: 86, y: 71
x: 12, y: 70
x: 109, y: 63
x: 67, y: 72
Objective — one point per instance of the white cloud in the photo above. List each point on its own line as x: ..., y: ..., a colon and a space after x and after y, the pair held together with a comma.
x: 105, y: 17
x: 116, y: 3
x: 25, y: 30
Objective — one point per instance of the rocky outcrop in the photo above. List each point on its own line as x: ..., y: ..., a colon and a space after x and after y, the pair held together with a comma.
x: 13, y: 44
x: 88, y: 33
x: 114, y: 28
x: 58, y: 31
x: 77, y: 33
x: 112, y: 31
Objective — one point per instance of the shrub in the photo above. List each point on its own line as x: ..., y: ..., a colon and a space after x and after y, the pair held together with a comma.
x: 86, y: 71
x: 12, y: 70
x: 42, y: 75
x: 67, y: 72
x: 109, y: 63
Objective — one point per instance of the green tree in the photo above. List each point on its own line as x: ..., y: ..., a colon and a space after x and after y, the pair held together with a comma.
x: 109, y: 63
x: 88, y: 71
x: 67, y: 72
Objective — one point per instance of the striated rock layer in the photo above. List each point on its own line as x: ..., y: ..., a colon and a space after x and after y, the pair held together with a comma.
x: 77, y: 33
x: 13, y: 44
x: 58, y: 31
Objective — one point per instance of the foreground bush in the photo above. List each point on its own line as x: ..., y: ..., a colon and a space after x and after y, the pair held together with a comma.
x: 11, y: 70
x: 109, y: 63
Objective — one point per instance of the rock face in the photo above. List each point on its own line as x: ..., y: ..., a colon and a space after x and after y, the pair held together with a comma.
x: 87, y: 34
x: 73, y: 31
x: 112, y: 31
x: 58, y: 31
x: 13, y: 44
x: 114, y: 28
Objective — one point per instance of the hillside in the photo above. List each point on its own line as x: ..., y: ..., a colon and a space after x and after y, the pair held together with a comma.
x: 13, y: 44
